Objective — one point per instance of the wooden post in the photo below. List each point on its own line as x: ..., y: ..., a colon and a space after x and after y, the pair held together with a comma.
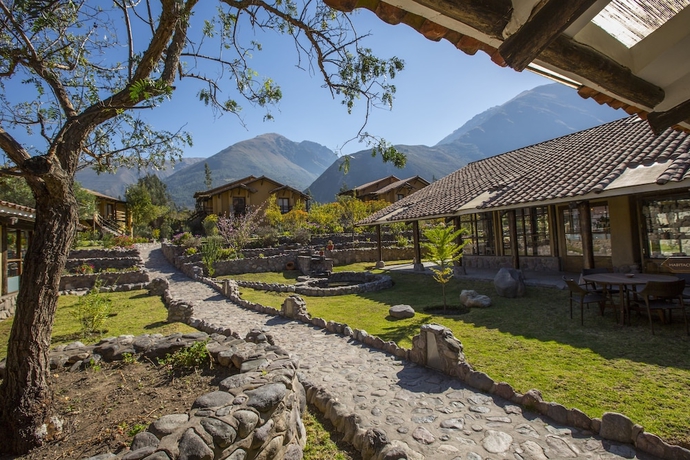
x: 379, y: 263
x: 418, y: 265
x: 512, y: 230
x: 459, y: 268
x: 3, y: 248
x: 586, y: 234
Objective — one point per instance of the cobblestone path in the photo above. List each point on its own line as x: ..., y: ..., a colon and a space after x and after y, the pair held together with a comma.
x: 435, y: 415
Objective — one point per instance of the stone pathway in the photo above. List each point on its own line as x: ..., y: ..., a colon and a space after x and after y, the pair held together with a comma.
x: 435, y: 415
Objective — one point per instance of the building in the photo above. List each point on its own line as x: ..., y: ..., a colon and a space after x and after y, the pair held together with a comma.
x: 613, y: 196
x: 236, y: 196
x: 390, y: 189
x: 16, y: 228
x: 629, y: 54
x: 112, y: 215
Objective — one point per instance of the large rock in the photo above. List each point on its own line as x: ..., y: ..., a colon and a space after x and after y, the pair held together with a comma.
x: 510, y: 283
x: 472, y: 299
x: 401, y: 311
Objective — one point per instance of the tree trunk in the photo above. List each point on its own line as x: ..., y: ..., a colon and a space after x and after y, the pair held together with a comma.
x: 25, y: 394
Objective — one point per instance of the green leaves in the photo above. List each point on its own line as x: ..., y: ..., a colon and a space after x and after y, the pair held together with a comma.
x: 148, y: 89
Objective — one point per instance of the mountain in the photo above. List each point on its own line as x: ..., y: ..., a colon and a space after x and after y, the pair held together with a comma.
x: 429, y: 162
x: 296, y: 164
x: 115, y: 184
x: 533, y: 116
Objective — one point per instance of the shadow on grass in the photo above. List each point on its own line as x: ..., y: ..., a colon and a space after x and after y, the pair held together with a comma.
x: 155, y: 325
x: 544, y: 315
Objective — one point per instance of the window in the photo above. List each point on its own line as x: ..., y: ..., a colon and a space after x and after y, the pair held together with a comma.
x: 480, y: 231
x: 667, y: 226
x: 284, y: 205
x: 601, y: 231
x: 17, y: 242
x: 532, y: 231
x: 238, y: 205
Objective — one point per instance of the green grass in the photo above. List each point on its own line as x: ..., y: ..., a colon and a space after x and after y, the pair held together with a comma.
x: 133, y: 312
x: 531, y: 342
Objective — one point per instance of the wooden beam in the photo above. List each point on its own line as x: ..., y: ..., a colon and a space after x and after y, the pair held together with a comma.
x: 522, y: 47
x: 586, y: 234
x: 660, y: 121
x: 565, y: 53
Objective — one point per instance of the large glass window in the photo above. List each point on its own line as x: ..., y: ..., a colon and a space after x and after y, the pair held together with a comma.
x: 601, y: 230
x: 480, y: 231
x: 532, y: 231
x: 667, y: 223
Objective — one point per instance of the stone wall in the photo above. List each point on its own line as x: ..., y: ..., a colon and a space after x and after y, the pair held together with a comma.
x: 256, y: 413
x: 535, y: 264
x: 138, y: 278
x: 7, y: 305
x: 318, y: 287
x: 278, y: 262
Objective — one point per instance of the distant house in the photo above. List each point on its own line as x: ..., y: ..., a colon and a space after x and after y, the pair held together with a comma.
x: 390, y: 189
x: 112, y: 215
x: 236, y: 196
x: 613, y: 196
x: 16, y: 228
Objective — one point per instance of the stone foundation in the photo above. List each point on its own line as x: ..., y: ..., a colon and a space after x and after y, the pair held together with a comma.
x: 7, y: 305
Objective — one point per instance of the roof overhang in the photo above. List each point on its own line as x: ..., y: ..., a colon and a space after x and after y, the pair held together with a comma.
x: 566, y: 41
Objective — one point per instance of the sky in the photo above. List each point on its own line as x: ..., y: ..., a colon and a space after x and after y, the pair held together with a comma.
x: 438, y: 91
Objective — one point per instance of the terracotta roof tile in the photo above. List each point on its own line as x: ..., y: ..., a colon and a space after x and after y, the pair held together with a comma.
x: 567, y: 167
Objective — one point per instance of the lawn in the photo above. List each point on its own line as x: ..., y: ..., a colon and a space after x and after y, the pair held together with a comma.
x: 531, y: 342
x: 133, y: 312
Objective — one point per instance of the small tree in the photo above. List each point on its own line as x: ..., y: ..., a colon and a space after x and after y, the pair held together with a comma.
x: 210, y: 253
x: 208, y: 180
x: 237, y: 230
x: 443, y: 249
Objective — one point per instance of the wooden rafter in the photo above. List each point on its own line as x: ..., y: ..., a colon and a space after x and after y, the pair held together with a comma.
x: 660, y: 121
x: 522, y: 47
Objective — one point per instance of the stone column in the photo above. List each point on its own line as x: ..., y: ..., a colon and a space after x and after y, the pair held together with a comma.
x: 418, y: 265
x: 586, y: 234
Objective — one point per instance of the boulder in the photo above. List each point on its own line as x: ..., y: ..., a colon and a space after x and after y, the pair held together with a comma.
x: 472, y: 299
x: 401, y: 311
x: 509, y: 283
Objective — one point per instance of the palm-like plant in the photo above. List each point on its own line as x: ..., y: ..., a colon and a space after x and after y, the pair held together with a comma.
x: 443, y: 249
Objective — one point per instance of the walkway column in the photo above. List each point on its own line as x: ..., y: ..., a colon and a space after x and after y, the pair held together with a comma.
x: 512, y: 229
x: 459, y: 268
x: 418, y: 265
x: 586, y: 234
x: 380, y: 263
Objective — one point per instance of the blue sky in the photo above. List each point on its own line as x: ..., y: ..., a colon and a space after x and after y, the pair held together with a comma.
x: 439, y: 90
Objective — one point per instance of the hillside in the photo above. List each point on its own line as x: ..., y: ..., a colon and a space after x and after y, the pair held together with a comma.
x: 296, y: 164
x: 115, y: 184
x: 534, y: 116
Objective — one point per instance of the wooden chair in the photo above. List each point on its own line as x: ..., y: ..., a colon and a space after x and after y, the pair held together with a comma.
x: 586, y: 296
x: 664, y: 296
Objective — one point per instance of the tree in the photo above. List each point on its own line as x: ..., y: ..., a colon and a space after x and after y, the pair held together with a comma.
x: 443, y: 248
x: 208, y: 180
x: 86, y: 73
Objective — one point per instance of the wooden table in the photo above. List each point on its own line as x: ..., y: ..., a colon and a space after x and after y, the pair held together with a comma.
x: 623, y: 280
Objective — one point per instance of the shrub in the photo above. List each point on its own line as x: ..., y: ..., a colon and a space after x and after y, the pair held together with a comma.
x: 92, y: 310
x: 210, y: 253
x: 84, y: 269
x: 188, y: 359
x: 267, y: 236
x: 302, y: 235
x: 401, y: 241
x: 190, y: 251
x: 210, y: 224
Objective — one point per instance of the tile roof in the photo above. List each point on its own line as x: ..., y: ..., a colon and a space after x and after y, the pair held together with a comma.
x: 369, y: 184
x: 8, y: 208
x: 397, y: 184
x: 560, y: 170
